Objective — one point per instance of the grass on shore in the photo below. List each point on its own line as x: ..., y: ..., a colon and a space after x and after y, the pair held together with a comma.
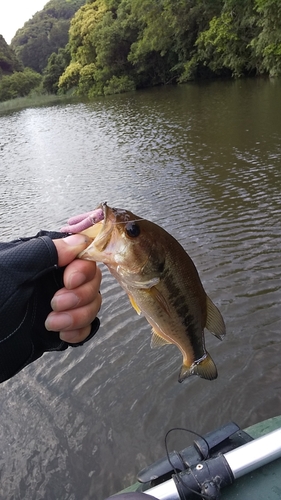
x: 30, y: 101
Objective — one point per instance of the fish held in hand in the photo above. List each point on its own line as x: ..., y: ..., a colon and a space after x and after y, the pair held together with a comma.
x: 162, y: 282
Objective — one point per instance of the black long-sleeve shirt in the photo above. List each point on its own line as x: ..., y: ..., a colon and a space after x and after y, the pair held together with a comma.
x: 29, y: 277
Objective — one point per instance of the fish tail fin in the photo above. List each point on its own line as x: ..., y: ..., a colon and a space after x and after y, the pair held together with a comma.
x: 204, y: 368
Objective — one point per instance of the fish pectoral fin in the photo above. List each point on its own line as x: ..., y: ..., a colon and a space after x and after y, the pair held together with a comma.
x: 133, y: 279
x: 146, y: 285
x: 215, y: 323
x: 204, y: 368
x: 157, y: 340
x: 157, y: 295
x: 134, y: 304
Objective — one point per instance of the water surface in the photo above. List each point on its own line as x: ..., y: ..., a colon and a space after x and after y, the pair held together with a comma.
x: 203, y: 161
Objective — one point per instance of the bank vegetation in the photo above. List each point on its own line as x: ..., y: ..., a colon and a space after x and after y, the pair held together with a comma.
x: 115, y: 46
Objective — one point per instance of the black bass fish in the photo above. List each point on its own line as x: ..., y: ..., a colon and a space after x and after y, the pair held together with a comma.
x: 161, y: 281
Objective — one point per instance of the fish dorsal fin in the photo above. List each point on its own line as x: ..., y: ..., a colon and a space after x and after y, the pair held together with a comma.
x: 157, y: 341
x: 157, y: 295
x: 214, y: 323
x: 134, y: 304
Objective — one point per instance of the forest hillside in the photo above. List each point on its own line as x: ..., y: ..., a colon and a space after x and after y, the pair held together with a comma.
x: 44, y: 33
x: 8, y: 59
x: 99, y: 47
x: 119, y: 45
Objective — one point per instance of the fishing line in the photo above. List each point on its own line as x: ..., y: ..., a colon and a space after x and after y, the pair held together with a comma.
x: 125, y: 221
x: 177, y: 475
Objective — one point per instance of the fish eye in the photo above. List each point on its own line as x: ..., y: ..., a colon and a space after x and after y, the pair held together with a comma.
x: 132, y: 229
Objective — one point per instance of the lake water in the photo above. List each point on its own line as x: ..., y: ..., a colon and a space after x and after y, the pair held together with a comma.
x: 203, y: 161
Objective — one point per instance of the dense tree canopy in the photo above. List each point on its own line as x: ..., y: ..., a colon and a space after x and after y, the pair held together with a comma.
x: 45, y: 33
x: 267, y: 43
x: 57, y: 63
x: 19, y: 84
x: 117, y: 45
x: 8, y: 59
x: 97, y: 47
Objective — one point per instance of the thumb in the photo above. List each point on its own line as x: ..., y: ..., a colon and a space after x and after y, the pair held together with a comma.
x: 68, y: 248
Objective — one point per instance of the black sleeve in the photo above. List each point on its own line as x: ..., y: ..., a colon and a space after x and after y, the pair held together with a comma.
x: 30, y: 277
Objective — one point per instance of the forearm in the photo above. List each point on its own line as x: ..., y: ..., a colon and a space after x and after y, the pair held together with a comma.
x: 30, y: 277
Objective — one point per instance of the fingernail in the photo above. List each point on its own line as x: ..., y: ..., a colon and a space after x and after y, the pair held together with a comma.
x: 76, y: 279
x: 64, y: 301
x: 77, y: 239
x: 58, y: 321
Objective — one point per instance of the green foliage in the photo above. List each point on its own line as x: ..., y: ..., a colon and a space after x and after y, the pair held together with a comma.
x: 100, y: 38
x: 70, y: 78
x: 8, y: 59
x: 166, y: 45
x: 149, y: 42
x: 19, y: 84
x: 216, y: 46
x: 152, y: 53
x: 119, y: 45
x: 267, y: 44
x: 57, y: 63
x: 225, y: 46
x: 45, y: 33
x: 118, y: 85
x: 86, y: 78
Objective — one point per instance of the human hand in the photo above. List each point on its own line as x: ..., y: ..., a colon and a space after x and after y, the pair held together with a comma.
x: 76, y: 305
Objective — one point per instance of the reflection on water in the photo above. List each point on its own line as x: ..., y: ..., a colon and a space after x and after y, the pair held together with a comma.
x: 204, y: 162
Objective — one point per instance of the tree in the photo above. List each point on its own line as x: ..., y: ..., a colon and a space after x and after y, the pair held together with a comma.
x: 267, y: 43
x: 8, y: 59
x: 225, y: 46
x: 100, y: 37
x: 117, y: 45
x: 45, y: 33
x: 54, y: 69
x: 19, y: 84
x: 166, y: 44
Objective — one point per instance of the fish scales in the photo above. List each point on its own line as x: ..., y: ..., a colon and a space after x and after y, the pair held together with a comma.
x: 186, y: 326
x: 162, y: 282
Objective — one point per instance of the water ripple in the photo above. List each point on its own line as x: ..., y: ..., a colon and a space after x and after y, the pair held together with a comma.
x: 204, y: 163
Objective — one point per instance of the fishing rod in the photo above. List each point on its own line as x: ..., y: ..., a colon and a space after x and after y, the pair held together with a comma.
x: 206, y: 478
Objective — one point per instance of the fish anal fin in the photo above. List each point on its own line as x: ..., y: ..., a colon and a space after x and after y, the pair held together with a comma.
x: 134, y: 304
x: 204, y: 368
x: 157, y: 340
x: 214, y: 323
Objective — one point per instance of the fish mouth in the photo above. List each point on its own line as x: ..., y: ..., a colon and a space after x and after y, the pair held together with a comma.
x: 103, y: 229
x: 103, y: 224
x: 115, y: 215
x: 102, y: 220
x: 104, y: 207
x: 107, y: 211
